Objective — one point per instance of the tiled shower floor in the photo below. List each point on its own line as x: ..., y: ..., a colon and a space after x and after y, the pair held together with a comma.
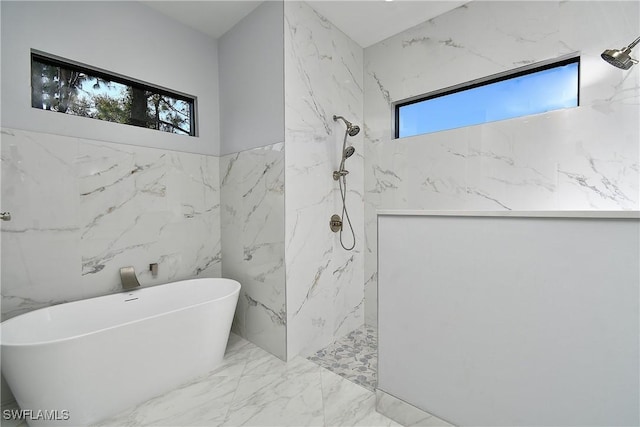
x: 353, y: 357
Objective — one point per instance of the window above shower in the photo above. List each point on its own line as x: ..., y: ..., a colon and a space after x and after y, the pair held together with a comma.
x: 534, y: 89
x: 65, y: 87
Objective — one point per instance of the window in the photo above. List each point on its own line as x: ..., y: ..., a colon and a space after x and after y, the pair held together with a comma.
x: 522, y: 92
x: 64, y: 87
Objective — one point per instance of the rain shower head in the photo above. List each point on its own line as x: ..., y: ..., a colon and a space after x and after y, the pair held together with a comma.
x: 352, y: 129
x: 621, y: 58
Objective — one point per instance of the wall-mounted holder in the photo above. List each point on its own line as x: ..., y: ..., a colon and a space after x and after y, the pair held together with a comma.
x: 338, y: 174
x: 5, y: 216
x: 335, y: 223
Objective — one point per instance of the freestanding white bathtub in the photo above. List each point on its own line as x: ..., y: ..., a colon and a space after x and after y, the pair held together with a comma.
x: 78, y: 363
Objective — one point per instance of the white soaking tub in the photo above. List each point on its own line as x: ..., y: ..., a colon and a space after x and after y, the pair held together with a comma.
x: 77, y: 363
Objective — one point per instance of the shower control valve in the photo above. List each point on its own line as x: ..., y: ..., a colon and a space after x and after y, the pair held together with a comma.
x: 335, y: 223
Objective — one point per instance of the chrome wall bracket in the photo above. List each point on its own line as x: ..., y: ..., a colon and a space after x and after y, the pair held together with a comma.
x: 335, y: 223
x: 338, y: 174
x: 5, y: 216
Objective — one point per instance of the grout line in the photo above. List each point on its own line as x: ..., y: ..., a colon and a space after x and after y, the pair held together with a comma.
x: 324, y: 406
x: 233, y: 399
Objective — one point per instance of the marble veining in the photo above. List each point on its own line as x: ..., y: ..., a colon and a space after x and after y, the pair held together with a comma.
x: 109, y: 205
x: 149, y: 203
x: 584, y: 158
x: 255, y: 388
x: 252, y: 189
x: 323, y: 77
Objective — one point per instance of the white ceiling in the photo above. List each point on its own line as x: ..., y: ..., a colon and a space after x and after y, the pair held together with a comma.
x: 364, y: 21
x: 212, y: 17
x: 368, y: 22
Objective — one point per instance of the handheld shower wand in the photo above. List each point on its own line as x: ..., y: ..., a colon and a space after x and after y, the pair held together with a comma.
x: 346, y: 153
x: 621, y: 58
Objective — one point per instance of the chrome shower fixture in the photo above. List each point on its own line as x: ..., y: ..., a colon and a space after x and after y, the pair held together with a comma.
x: 621, y: 58
x: 336, y: 223
x: 348, y: 152
x: 352, y: 129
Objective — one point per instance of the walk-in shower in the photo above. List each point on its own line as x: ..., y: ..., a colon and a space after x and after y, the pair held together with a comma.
x: 621, y: 58
x: 337, y: 223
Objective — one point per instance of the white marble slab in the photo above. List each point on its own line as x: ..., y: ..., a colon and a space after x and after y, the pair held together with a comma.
x: 81, y: 209
x: 40, y: 254
x: 584, y: 158
x: 323, y: 77
x: 252, y: 188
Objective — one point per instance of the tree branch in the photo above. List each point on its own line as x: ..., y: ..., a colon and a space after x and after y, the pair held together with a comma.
x: 174, y: 126
x: 171, y: 107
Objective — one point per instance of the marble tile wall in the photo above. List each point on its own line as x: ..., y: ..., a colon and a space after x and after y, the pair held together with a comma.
x: 81, y: 209
x: 252, y: 219
x: 585, y: 158
x: 323, y: 77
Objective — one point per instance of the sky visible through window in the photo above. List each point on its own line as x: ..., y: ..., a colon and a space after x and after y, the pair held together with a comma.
x: 534, y: 93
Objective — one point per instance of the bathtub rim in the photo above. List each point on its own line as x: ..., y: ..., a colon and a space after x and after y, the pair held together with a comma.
x: 3, y: 344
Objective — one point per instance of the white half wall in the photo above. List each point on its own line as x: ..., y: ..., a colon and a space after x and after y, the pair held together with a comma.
x: 492, y: 320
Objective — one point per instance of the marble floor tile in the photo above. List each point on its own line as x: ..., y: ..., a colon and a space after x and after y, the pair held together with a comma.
x: 348, y: 404
x: 259, y: 362
x: 211, y: 395
x: 276, y: 400
x: 354, y: 357
x: 255, y: 388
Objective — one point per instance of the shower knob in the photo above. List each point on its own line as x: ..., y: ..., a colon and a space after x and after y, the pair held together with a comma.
x: 5, y: 216
x: 335, y: 223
